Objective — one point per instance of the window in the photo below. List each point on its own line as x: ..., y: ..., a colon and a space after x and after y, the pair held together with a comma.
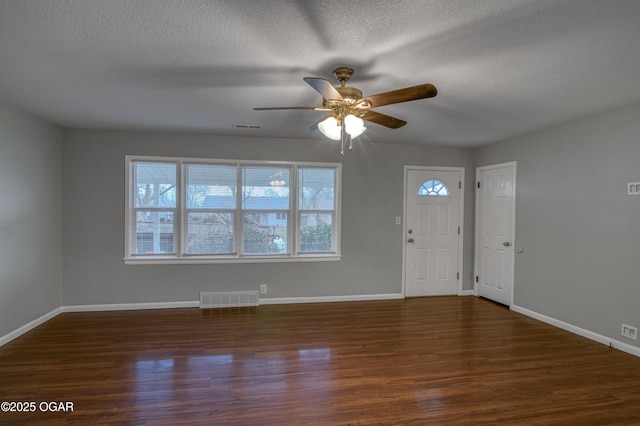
x: 433, y: 187
x: 153, y: 206
x: 316, y: 209
x: 209, y: 208
x: 265, y: 209
x: 194, y: 210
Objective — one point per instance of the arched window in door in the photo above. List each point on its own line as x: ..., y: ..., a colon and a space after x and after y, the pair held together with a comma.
x: 433, y: 187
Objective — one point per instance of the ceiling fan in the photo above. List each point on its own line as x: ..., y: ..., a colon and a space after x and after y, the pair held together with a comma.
x: 348, y: 108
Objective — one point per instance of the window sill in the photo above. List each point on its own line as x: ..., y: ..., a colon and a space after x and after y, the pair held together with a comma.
x: 158, y: 260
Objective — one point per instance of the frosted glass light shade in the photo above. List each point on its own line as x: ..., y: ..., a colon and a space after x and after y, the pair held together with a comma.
x: 354, y: 126
x: 330, y: 128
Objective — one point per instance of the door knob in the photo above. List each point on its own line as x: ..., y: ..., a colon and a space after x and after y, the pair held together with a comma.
x: 411, y: 240
x: 506, y: 244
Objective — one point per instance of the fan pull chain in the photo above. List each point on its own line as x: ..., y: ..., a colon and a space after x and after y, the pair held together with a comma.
x: 343, y: 135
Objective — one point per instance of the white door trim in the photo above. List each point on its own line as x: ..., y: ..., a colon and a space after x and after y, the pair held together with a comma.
x: 460, y: 170
x: 513, y: 225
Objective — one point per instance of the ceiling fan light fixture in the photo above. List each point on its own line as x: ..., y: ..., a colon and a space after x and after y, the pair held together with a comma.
x: 330, y: 128
x: 349, y: 108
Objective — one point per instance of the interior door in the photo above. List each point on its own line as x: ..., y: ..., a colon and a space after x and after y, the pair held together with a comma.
x: 495, y: 232
x: 432, y: 232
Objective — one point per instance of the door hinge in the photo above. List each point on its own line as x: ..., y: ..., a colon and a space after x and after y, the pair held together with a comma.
x: 458, y: 276
x: 476, y: 278
x: 478, y: 184
x: 458, y: 230
x: 460, y: 184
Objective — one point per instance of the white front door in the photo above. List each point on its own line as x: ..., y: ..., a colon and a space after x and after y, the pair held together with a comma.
x: 495, y: 231
x: 432, y: 231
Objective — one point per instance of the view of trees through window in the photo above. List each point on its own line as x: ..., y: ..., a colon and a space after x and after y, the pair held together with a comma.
x: 265, y: 207
x: 317, y: 203
x: 211, y: 194
x: 154, y: 206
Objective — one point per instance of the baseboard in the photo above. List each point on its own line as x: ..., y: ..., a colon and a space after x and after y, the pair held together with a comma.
x: 324, y: 299
x: 130, y: 306
x: 468, y: 293
x: 633, y: 350
x: 29, y: 326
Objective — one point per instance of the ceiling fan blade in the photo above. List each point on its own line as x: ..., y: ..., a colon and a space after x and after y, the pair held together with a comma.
x: 325, y: 88
x: 279, y: 108
x: 412, y: 93
x: 383, y: 119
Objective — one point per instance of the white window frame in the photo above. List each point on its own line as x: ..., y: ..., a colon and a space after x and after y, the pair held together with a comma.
x: 179, y: 228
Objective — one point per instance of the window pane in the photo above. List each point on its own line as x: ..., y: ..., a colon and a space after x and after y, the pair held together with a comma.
x: 265, y: 233
x: 433, y: 187
x: 155, y: 184
x: 154, y: 232
x: 210, y: 233
x: 265, y: 188
x: 211, y: 186
x: 315, y: 232
x: 144, y: 242
x: 317, y: 188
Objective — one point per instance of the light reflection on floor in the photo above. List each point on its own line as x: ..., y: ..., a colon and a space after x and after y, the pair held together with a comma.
x: 315, y: 354
x: 159, y: 378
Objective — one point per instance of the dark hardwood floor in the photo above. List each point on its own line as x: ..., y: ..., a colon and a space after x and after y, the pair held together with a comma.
x: 435, y: 361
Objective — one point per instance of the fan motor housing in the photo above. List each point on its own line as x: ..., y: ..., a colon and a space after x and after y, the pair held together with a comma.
x: 350, y: 94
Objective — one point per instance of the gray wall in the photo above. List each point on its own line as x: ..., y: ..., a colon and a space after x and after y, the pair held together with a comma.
x: 30, y: 219
x: 579, y: 229
x: 93, y: 219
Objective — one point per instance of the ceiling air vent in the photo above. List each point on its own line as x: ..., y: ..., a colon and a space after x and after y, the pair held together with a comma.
x: 247, y: 126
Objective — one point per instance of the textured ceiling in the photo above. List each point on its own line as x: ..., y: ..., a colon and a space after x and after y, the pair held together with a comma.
x: 503, y: 68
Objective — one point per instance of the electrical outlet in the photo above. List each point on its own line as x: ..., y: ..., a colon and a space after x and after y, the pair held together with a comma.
x: 629, y: 331
x: 263, y: 289
x: 633, y: 188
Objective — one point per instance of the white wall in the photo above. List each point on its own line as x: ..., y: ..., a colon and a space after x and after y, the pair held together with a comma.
x: 30, y: 219
x: 579, y: 229
x: 93, y: 219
